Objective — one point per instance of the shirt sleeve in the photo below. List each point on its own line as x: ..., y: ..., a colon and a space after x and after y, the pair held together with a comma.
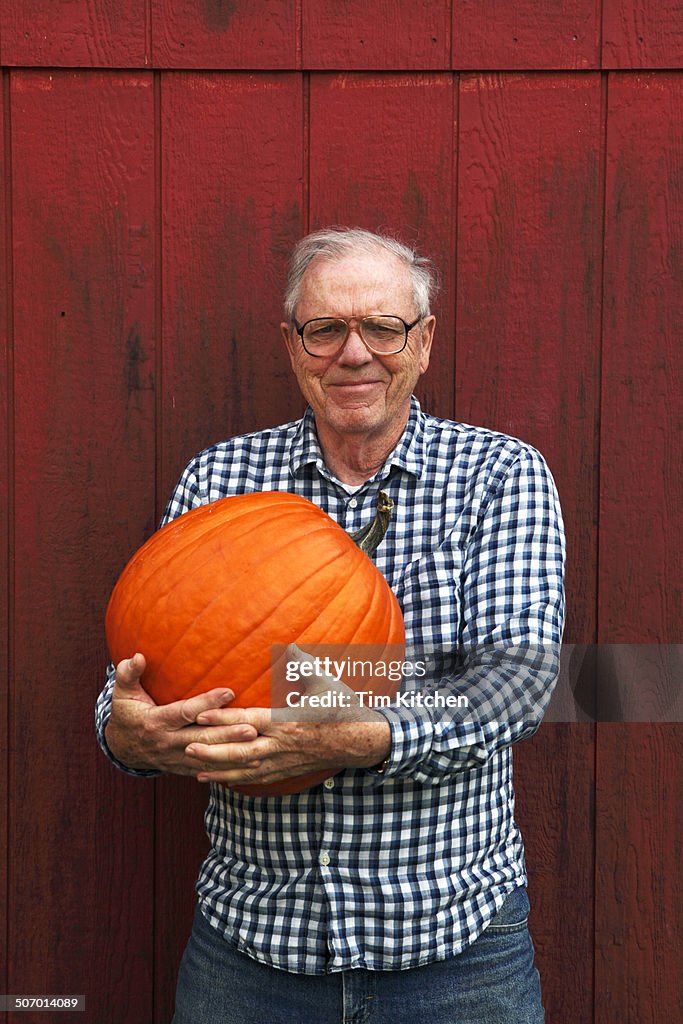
x: 499, y: 681
x: 185, y: 496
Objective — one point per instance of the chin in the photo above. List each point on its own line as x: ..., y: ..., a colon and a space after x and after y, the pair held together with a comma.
x: 353, y: 421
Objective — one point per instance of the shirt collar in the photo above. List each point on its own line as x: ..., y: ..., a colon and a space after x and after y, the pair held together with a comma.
x: 409, y: 453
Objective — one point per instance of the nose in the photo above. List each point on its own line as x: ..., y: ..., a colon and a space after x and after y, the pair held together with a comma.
x: 355, y: 351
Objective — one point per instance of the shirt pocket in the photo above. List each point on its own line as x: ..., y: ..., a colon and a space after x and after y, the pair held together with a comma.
x: 429, y: 592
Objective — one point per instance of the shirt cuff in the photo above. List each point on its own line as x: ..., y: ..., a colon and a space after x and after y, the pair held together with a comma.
x: 412, y: 736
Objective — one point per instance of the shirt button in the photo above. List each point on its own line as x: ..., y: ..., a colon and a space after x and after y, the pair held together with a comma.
x: 353, y: 502
x: 328, y: 783
x: 324, y: 859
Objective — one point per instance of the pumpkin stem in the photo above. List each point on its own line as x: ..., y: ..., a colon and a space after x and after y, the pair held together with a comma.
x: 369, y: 537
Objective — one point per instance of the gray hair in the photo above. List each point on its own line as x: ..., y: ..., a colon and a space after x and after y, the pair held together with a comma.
x: 335, y: 242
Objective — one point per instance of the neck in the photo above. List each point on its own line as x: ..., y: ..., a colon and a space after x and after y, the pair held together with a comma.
x: 354, y: 458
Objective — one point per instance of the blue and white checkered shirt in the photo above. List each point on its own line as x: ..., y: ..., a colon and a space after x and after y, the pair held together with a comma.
x: 390, y: 871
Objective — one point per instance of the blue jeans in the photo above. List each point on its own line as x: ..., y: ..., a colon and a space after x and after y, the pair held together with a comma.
x: 493, y: 981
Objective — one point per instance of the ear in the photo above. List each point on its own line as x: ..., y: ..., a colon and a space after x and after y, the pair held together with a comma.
x: 290, y: 340
x: 427, y: 337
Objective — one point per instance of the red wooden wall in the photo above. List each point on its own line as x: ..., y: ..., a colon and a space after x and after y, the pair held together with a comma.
x: 158, y: 160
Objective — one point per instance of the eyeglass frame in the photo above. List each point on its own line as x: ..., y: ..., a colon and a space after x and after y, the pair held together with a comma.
x: 358, y: 321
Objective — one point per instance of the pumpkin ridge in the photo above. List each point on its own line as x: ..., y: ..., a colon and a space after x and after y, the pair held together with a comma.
x: 380, y: 589
x: 271, y: 613
x: 173, y: 550
x: 362, y: 612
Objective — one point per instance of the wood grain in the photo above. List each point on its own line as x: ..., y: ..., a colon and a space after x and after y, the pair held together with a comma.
x: 182, y: 845
x: 215, y: 34
x: 382, y: 157
x: 642, y: 34
x: 527, y: 363
x: 391, y: 34
x: 6, y: 503
x: 232, y: 164
x: 529, y: 280
x: 639, y: 844
x: 642, y: 421
x: 639, y: 922
x: 81, y: 834
x: 493, y: 35
x: 554, y: 785
x: 89, y: 33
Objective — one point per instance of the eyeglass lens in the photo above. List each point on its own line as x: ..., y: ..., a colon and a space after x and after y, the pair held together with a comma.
x: 385, y: 334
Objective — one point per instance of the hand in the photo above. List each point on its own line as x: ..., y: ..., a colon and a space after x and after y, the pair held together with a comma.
x: 142, y: 734
x: 290, y: 743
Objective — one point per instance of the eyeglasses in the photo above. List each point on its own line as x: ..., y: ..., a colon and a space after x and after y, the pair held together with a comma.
x: 383, y: 335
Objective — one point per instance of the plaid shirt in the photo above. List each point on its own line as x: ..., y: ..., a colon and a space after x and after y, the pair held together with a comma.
x: 393, y: 870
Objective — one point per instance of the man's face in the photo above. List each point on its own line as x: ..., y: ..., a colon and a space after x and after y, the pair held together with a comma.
x: 356, y: 392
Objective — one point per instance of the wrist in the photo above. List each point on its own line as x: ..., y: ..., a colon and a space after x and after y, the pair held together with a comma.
x: 380, y: 754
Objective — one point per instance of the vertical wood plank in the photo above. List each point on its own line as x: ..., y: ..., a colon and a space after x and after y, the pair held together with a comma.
x: 5, y: 520
x: 555, y: 809
x: 639, y: 925
x: 527, y: 363
x: 391, y: 34
x: 80, y: 832
x: 529, y: 281
x: 232, y: 173
x: 89, y: 33
x: 216, y: 34
x: 640, y: 594
x: 642, y: 34
x: 492, y: 35
x: 639, y: 922
x: 232, y: 165
x: 382, y: 158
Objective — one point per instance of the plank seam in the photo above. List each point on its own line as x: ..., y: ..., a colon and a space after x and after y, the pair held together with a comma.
x: 158, y: 295
x: 604, y: 112
x: 10, y: 435
x: 155, y: 998
x: 454, y: 234
x: 306, y: 146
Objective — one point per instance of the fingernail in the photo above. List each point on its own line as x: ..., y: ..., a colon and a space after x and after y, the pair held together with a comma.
x: 227, y: 697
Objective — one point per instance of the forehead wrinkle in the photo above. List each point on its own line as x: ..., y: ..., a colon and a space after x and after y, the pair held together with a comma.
x: 366, y: 286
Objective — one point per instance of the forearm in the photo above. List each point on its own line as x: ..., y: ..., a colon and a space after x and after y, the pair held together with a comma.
x: 464, y: 720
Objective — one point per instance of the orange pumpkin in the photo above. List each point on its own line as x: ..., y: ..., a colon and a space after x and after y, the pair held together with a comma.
x: 211, y: 592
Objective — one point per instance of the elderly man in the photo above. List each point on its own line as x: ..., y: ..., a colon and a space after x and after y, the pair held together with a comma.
x: 395, y: 891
